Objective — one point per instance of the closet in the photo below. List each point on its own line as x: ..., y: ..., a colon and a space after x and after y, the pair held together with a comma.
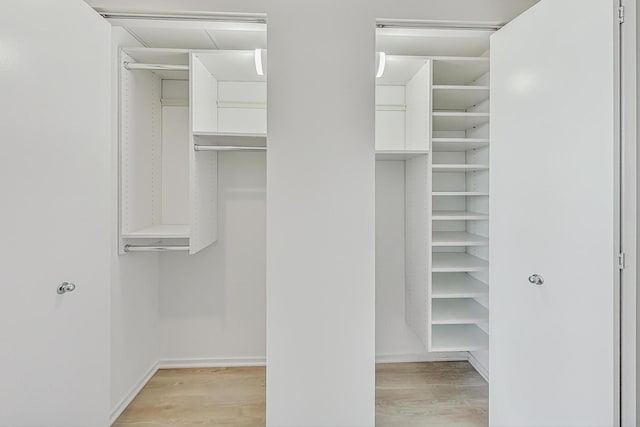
x: 432, y: 113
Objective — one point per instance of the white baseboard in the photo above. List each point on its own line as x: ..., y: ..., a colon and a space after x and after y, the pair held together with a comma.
x: 227, y: 362
x: 482, y: 370
x: 421, y: 357
x: 128, y: 398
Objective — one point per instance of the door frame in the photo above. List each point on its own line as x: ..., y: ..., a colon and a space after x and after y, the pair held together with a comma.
x: 628, y: 214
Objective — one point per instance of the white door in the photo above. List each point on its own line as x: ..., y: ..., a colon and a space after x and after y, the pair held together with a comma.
x: 554, y: 213
x: 55, y: 214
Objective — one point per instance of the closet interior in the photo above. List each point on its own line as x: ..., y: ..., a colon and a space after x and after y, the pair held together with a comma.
x: 432, y: 121
x: 187, y: 94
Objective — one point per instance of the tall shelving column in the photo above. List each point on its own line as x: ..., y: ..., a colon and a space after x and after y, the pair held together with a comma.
x: 458, y: 289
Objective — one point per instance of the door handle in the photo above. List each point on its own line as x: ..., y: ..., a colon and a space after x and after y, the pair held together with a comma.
x: 536, y: 279
x: 66, y: 287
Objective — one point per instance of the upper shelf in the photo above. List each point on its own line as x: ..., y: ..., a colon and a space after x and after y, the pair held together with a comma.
x: 160, y: 231
x: 459, y: 70
x: 454, y: 120
x: 456, y: 97
x: 231, y: 139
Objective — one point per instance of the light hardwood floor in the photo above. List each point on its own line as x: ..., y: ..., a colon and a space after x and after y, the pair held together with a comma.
x: 407, y: 395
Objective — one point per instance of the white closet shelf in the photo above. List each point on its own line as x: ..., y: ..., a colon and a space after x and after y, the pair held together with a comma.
x: 459, y: 193
x: 457, y: 120
x: 458, y: 144
x: 456, y: 262
x: 458, y: 168
x: 458, y: 97
x: 457, y: 238
x: 399, y: 154
x: 231, y: 138
x: 457, y: 285
x: 458, y: 338
x: 459, y: 70
x: 457, y: 311
x: 458, y: 216
x: 168, y: 231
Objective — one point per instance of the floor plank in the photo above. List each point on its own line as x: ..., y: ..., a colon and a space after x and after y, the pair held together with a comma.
x: 407, y: 394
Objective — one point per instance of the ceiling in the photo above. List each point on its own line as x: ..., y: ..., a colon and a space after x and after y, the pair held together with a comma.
x: 196, y: 35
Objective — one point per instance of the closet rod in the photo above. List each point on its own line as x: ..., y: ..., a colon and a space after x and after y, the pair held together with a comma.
x: 166, y: 67
x: 198, y: 147
x: 154, y: 248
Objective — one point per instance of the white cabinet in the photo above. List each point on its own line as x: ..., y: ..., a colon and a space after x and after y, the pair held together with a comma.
x: 178, y: 109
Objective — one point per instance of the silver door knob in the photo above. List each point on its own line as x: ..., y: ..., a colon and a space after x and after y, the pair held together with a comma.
x: 536, y: 279
x: 66, y: 287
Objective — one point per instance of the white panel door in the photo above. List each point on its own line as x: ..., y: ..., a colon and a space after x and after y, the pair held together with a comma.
x: 553, y: 213
x: 55, y: 214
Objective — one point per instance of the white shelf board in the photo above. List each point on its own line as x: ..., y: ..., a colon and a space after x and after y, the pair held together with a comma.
x: 400, y: 69
x: 459, y: 70
x: 166, y: 231
x: 458, y: 97
x: 456, y: 262
x: 399, y: 154
x: 457, y: 120
x: 458, y: 144
x: 231, y: 139
x: 458, y: 216
x: 459, y: 193
x: 457, y: 238
x: 458, y: 168
x: 458, y: 311
x: 458, y: 338
x: 457, y: 285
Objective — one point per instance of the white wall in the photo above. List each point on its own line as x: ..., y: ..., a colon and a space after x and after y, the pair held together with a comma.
x: 134, y: 289
x: 212, y: 304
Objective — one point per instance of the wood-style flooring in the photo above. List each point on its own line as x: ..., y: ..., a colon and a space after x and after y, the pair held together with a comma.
x: 407, y: 395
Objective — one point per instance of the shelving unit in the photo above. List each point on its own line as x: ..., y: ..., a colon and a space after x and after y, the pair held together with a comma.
x: 458, y: 290
x: 451, y: 314
x: 172, y: 102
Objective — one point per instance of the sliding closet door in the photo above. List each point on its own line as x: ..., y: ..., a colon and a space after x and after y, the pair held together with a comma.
x: 55, y: 214
x: 554, y: 204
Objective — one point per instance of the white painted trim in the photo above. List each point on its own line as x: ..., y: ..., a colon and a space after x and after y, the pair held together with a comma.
x: 629, y: 219
x: 421, y: 357
x: 128, y: 398
x: 215, y: 362
x: 482, y: 370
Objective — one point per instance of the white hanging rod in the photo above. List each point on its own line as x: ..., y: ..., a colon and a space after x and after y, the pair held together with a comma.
x: 154, y: 248
x: 198, y: 147
x: 165, y: 67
